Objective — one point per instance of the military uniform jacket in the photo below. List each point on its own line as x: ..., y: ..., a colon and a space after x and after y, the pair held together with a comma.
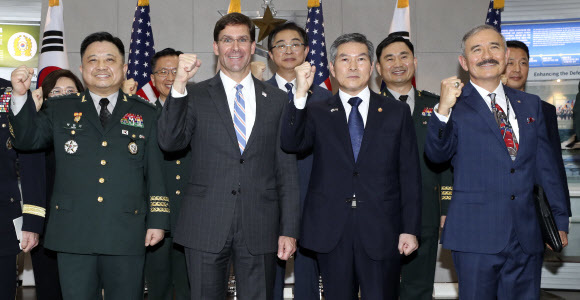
x: 30, y: 167
x: 108, y: 188
x: 436, y: 178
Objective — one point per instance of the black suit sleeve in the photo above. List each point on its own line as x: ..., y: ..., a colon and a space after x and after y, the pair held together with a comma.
x: 176, y: 123
x: 297, y: 134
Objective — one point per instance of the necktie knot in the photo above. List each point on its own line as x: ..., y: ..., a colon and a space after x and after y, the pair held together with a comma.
x: 404, y: 98
x: 492, y: 97
x: 289, y: 86
x: 239, y: 87
x: 355, y: 102
x: 104, y: 102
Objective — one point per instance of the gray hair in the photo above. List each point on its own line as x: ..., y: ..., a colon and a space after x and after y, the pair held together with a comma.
x: 476, y: 30
x: 348, y: 38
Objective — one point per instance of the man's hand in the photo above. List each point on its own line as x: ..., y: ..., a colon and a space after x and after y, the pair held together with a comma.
x: 450, y: 90
x: 563, y: 237
x: 29, y: 240
x: 37, y: 97
x: 442, y: 222
x: 186, y: 67
x: 258, y: 68
x: 129, y: 86
x: 304, y: 77
x: 21, y: 78
x: 407, y: 243
x: 286, y: 247
x: 154, y: 236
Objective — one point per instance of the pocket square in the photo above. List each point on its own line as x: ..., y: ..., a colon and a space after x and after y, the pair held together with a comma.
x: 531, y: 120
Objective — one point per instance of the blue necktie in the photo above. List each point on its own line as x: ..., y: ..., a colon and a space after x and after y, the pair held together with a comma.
x: 356, y: 126
x: 240, y: 118
x: 289, y: 87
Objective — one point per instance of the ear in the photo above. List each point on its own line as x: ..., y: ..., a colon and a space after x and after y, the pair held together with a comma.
x: 215, y: 48
x: 372, y: 68
x: 125, y: 68
x: 331, y: 67
x: 271, y: 55
x: 306, y: 50
x: 253, y: 47
x: 378, y: 67
x: 415, y: 63
x: 153, y: 79
x: 463, y: 63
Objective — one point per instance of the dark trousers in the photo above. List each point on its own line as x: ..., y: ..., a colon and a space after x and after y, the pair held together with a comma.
x: 509, y: 274
x: 418, y: 269
x: 348, y: 265
x: 46, y: 279
x: 81, y: 275
x: 166, y: 271
x: 7, y: 276
x: 306, y: 285
x: 209, y: 272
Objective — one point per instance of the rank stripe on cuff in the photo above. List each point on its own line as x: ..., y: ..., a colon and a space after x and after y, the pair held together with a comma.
x: 446, y: 192
x: 159, y: 204
x: 34, y: 210
x: 160, y: 209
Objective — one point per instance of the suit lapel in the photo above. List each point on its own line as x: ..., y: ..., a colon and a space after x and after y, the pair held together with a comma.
x: 121, y: 107
x: 474, y: 100
x: 340, y: 124
x: 219, y: 98
x: 89, y: 112
x: 261, y: 107
x: 372, y: 125
x: 520, y: 110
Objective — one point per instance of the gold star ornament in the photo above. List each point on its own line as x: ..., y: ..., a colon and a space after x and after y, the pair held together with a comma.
x: 267, y: 23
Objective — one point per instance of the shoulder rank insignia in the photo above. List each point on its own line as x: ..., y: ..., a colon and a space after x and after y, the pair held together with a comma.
x: 427, y: 111
x: 5, y: 100
x: 132, y: 120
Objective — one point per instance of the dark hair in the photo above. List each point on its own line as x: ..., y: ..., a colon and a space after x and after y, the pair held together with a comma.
x: 287, y: 26
x: 50, y: 81
x: 393, y: 39
x: 234, y: 19
x: 102, y: 37
x: 351, y: 38
x: 163, y: 53
x: 519, y: 45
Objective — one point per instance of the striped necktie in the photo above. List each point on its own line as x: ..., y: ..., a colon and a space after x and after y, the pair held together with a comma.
x: 356, y: 126
x: 289, y: 87
x: 240, y: 118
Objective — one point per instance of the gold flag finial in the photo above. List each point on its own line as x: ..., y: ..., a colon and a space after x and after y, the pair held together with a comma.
x: 402, y: 3
x: 313, y: 3
x: 235, y: 6
x: 498, y: 4
x: 143, y: 3
x: 52, y: 3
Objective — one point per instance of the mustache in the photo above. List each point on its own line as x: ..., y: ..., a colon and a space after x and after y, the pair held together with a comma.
x: 487, y: 61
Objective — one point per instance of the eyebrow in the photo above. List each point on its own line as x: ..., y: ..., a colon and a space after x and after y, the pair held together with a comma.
x: 231, y: 37
x: 353, y: 55
x: 400, y: 53
x: 294, y: 39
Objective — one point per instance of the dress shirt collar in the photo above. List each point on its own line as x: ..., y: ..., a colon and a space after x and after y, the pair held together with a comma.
x: 112, y: 100
x: 282, y: 83
x: 230, y: 84
x: 364, y: 95
x: 499, y: 95
x: 411, y: 94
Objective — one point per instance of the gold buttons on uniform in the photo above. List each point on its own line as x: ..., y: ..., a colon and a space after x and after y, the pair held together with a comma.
x: 103, y: 162
x: 104, y: 144
x: 100, y: 199
x: 72, y: 132
x: 178, y: 192
x: 133, y: 136
x: 178, y: 162
x: 3, y: 125
x: 101, y: 180
x: 136, y: 211
x: 177, y: 177
x: 56, y: 207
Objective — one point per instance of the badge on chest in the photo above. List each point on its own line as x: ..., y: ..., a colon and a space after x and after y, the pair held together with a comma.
x: 71, y: 146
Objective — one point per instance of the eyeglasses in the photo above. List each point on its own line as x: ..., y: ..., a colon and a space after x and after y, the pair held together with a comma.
x: 230, y: 41
x: 60, y: 92
x: 283, y: 47
x: 165, y: 72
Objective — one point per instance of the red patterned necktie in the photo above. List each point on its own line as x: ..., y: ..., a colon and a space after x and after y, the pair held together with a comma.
x: 505, y: 127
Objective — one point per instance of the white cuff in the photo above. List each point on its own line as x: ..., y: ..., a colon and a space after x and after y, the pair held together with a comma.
x: 18, y: 103
x: 176, y: 94
x: 300, y: 103
x: 441, y: 117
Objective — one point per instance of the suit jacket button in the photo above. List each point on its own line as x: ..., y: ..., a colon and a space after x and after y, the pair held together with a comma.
x: 104, y: 143
x: 355, y: 174
x: 178, y: 192
x: 3, y: 125
x: 101, y: 180
x: 512, y: 170
x: 241, y: 160
x: 56, y: 207
x: 513, y: 197
x: 177, y: 177
x: 103, y: 162
x: 11, y: 199
x: 178, y: 162
x: 234, y: 192
x: 136, y: 211
x: 100, y: 199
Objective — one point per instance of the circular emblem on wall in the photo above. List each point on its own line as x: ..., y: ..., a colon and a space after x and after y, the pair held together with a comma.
x: 22, y: 46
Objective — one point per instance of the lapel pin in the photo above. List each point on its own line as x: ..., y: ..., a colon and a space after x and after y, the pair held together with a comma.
x: 380, y: 109
x: 424, y: 122
x: 519, y: 101
x: 334, y: 109
x: 264, y: 94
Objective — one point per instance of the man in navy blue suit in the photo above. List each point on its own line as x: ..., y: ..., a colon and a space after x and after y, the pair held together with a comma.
x: 288, y: 48
x: 516, y: 75
x: 363, y: 205
x: 496, y: 139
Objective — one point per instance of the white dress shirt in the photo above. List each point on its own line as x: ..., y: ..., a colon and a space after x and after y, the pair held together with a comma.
x: 282, y: 84
x: 410, y: 101
x: 249, y: 92
x: 19, y: 101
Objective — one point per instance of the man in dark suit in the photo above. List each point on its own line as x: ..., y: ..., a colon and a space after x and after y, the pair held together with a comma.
x: 497, y: 142
x: 516, y: 76
x: 288, y: 48
x: 165, y: 267
x: 109, y: 201
x: 242, y: 202
x: 396, y: 64
x: 363, y: 206
x: 28, y: 169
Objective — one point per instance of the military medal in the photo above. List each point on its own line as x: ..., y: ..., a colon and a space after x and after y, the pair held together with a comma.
x: 71, y: 147
x: 8, y: 144
x: 133, y: 149
x: 78, y: 116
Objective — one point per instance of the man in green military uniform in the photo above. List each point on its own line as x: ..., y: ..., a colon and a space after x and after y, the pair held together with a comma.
x: 396, y: 65
x: 109, y: 200
x: 165, y: 266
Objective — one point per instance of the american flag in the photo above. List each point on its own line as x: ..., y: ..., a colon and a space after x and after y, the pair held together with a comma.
x: 317, y: 43
x: 141, y: 51
x: 493, y: 17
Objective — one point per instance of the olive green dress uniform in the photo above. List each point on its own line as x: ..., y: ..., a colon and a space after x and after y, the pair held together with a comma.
x: 418, y: 269
x: 108, y: 188
x: 165, y: 265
